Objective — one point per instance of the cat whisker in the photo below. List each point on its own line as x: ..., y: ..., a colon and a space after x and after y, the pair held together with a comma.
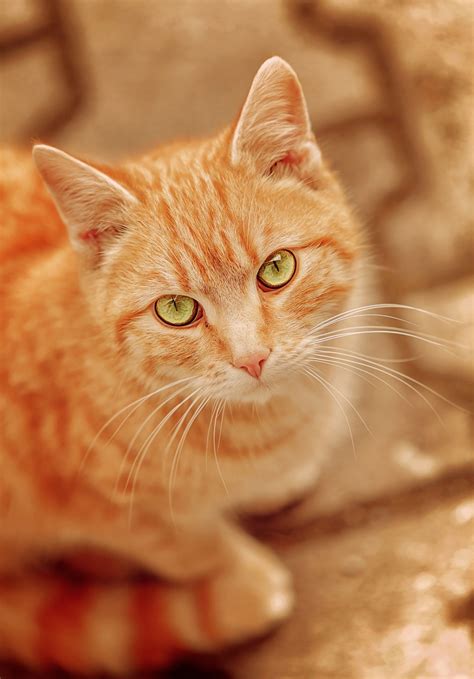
x: 140, y: 456
x: 220, y: 408
x: 355, y: 369
x: 349, y: 402
x: 313, y: 374
x: 208, y: 435
x: 135, y: 405
x: 407, y: 380
x: 140, y: 429
x: 219, y: 437
x: 180, y: 446
x: 446, y: 345
x: 340, y: 362
x: 369, y: 307
x: 358, y: 354
x: 358, y: 315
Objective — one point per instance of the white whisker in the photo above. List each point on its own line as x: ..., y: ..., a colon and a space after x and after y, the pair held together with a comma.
x: 355, y: 369
x: 358, y: 354
x: 315, y: 375
x: 386, y: 330
x: 351, y: 405
x: 135, y: 468
x: 220, y: 408
x: 180, y: 446
x: 135, y: 405
x: 407, y: 380
x: 209, y: 427
x: 140, y: 429
x: 369, y: 307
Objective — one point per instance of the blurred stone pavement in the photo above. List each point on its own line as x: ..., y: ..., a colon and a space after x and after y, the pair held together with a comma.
x: 382, y: 552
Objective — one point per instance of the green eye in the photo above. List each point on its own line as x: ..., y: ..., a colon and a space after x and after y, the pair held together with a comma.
x: 176, y: 309
x: 277, y: 270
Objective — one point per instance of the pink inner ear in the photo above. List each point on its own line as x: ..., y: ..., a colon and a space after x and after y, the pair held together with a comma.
x: 90, y: 236
x: 291, y: 158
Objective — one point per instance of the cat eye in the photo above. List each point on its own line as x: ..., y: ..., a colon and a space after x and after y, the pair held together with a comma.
x: 278, y: 270
x: 177, y: 310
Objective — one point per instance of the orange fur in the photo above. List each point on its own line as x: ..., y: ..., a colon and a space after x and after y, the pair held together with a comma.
x: 80, y: 343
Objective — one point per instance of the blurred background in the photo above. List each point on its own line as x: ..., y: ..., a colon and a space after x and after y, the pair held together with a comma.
x: 382, y: 553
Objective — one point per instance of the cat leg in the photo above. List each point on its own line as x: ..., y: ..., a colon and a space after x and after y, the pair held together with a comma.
x: 53, y: 621
x: 179, y: 553
x: 250, y: 589
x: 246, y: 593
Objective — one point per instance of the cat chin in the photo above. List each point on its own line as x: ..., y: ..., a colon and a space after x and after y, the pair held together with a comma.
x: 257, y: 394
x: 257, y: 397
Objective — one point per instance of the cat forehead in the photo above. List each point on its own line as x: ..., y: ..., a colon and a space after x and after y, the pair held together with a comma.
x: 203, y: 222
x: 206, y: 228
x: 205, y: 257
x: 193, y: 192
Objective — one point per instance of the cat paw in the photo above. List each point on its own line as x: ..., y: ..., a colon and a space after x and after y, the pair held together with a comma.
x: 251, y: 596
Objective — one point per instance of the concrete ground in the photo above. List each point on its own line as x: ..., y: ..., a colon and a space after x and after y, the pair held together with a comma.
x: 382, y: 551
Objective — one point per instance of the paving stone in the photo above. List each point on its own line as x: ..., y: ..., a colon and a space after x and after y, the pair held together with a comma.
x: 29, y: 72
x: 21, y: 15
x: 389, y: 599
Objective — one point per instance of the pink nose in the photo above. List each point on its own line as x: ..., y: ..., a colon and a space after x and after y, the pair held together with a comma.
x: 253, y: 363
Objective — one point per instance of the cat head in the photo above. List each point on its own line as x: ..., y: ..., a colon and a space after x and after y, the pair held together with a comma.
x: 214, y: 259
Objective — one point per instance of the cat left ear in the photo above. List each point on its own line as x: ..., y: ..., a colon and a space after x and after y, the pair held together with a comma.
x: 274, y: 125
x: 88, y: 200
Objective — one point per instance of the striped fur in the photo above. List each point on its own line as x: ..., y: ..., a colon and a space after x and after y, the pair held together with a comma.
x: 114, y: 435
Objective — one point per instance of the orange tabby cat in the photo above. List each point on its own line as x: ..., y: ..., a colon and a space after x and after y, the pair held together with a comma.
x: 153, y: 380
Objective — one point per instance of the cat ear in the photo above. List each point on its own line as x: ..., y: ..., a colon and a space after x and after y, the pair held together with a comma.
x: 86, y: 198
x: 274, y: 125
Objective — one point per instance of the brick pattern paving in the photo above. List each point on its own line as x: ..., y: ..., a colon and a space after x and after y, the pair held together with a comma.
x: 382, y: 551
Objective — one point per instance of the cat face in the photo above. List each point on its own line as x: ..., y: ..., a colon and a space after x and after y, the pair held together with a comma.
x: 214, y: 260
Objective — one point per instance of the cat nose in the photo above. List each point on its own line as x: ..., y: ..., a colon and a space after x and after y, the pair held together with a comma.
x: 253, y: 363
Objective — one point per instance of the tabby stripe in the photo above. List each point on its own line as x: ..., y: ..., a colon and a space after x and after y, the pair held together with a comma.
x: 62, y: 624
x: 167, y: 212
x: 122, y: 324
x: 180, y: 270
x: 327, y: 241
x: 154, y: 642
x: 230, y: 248
x: 206, y: 617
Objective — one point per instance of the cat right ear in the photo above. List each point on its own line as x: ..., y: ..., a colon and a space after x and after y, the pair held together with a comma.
x: 274, y: 127
x: 89, y: 201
